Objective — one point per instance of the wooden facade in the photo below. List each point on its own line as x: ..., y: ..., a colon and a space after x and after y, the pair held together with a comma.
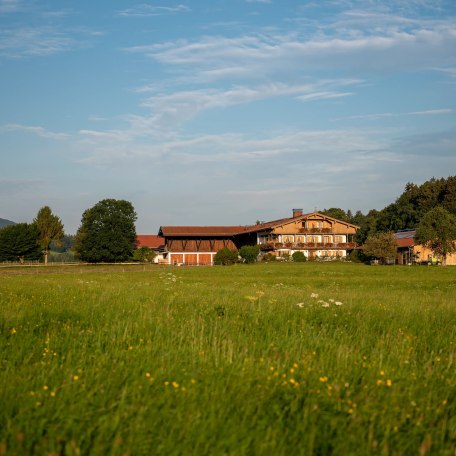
x: 314, y: 234
x: 196, y: 245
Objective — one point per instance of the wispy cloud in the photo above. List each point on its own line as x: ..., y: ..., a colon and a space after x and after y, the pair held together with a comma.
x: 38, y: 131
x: 406, y: 44
x: 169, y: 111
x: 10, y: 6
x: 429, y: 112
x: 145, y: 10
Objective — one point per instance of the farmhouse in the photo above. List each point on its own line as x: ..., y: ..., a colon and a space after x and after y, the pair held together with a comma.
x: 314, y: 234
x: 408, y: 252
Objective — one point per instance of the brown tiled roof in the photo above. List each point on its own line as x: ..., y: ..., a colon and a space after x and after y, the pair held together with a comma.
x: 266, y: 225
x: 209, y: 231
x: 405, y: 238
x: 152, y: 241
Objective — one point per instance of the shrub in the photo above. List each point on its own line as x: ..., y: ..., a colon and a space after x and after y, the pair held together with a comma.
x: 144, y: 255
x: 249, y: 253
x: 268, y: 258
x: 226, y: 257
x: 299, y: 257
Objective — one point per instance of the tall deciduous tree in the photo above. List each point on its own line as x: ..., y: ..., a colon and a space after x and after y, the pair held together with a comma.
x: 107, y: 232
x: 19, y: 243
x: 437, y: 230
x: 50, y: 229
x: 382, y: 246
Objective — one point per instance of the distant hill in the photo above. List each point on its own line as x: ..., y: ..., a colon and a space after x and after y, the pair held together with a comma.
x: 4, y: 222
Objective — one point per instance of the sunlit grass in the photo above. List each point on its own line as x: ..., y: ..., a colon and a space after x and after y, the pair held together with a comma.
x: 229, y: 360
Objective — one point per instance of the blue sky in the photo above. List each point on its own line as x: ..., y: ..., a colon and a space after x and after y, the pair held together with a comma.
x: 222, y: 112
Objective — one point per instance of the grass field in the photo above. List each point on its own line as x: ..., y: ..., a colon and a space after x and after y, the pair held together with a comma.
x: 228, y: 360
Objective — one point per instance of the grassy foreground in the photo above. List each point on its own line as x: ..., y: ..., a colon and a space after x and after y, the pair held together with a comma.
x: 229, y: 360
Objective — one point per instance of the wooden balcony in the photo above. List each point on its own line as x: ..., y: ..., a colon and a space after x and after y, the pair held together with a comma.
x: 308, y: 245
x: 316, y: 230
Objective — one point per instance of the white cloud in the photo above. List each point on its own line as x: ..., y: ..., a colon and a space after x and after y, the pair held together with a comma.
x: 405, y: 44
x: 146, y: 10
x: 38, y: 131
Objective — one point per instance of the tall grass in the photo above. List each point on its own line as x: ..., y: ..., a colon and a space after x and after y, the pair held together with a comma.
x: 229, y: 360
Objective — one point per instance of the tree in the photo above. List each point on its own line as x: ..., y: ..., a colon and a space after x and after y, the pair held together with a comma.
x: 107, y: 232
x: 337, y: 213
x: 19, y: 243
x: 382, y: 246
x: 144, y: 255
x: 299, y: 257
x: 437, y: 230
x: 226, y: 257
x: 50, y: 229
x: 249, y: 253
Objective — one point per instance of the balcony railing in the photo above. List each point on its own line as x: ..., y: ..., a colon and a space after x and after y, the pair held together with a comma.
x: 307, y: 245
x: 316, y: 230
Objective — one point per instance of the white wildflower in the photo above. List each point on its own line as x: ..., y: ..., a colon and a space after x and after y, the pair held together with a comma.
x: 325, y: 304
x: 338, y: 303
x: 300, y: 304
x: 331, y: 300
x: 314, y: 295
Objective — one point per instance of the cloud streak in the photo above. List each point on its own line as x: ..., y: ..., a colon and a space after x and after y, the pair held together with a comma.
x: 146, y: 10
x: 38, y: 131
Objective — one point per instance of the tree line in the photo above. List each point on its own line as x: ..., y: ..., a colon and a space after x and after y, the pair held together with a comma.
x: 107, y: 234
x: 429, y: 208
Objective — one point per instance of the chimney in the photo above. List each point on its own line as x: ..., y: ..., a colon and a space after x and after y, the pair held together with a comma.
x: 297, y: 212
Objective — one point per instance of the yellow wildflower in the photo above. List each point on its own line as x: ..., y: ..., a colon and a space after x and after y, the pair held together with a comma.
x: 323, y: 379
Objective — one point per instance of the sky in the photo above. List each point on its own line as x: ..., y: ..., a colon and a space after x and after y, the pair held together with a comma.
x: 222, y: 112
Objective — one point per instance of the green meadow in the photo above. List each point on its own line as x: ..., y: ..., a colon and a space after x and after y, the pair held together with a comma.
x: 268, y: 359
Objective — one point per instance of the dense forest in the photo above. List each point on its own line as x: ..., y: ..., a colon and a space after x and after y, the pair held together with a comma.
x: 406, y: 212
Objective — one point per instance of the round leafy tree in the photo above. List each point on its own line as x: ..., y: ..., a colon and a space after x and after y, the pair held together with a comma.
x: 437, y: 230
x: 107, y: 232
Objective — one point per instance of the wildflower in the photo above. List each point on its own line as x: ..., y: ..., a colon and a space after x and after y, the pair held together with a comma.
x: 175, y: 384
x: 75, y: 377
x: 148, y: 374
x: 45, y: 387
x: 325, y: 304
x: 323, y: 379
x: 13, y: 331
x: 314, y: 295
x: 53, y: 393
x: 338, y: 303
x: 331, y: 300
x: 389, y: 383
x: 300, y: 304
x: 382, y: 373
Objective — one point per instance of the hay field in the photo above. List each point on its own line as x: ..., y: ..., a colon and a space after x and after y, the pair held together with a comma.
x: 268, y: 359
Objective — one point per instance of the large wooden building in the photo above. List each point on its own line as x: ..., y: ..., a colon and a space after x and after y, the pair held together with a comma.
x: 314, y: 234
